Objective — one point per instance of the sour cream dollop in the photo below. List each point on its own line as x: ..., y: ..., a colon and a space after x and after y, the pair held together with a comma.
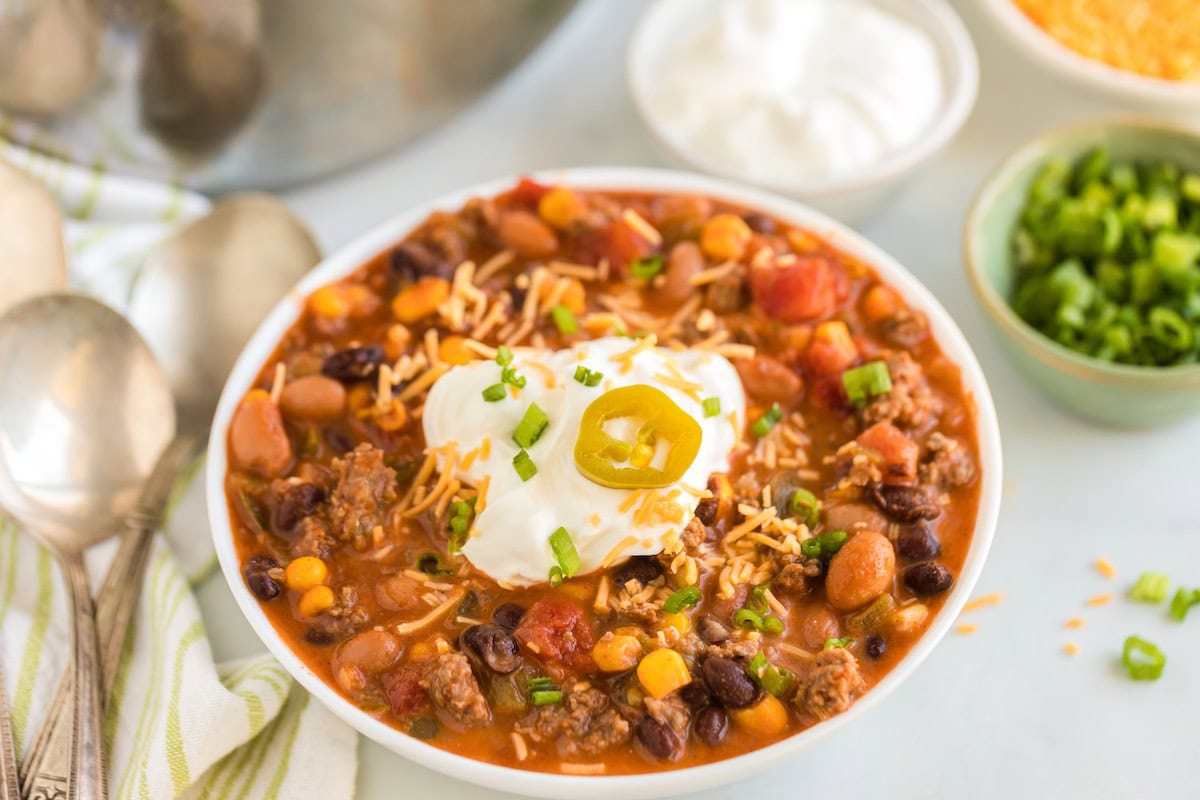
x: 800, y: 90
x: 510, y: 537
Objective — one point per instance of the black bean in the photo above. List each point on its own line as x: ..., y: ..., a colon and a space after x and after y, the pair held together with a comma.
x: 319, y: 637
x: 353, y: 363
x: 711, y: 630
x: 658, y: 739
x: 876, y: 646
x: 260, y: 563
x: 928, y: 578
x: 711, y: 725
x: 728, y: 682
x: 413, y: 260
x: 339, y: 440
x: 918, y: 543
x: 642, y: 569
x: 905, y: 503
x: 695, y: 694
x: 493, y: 646
x: 508, y: 615
x: 263, y: 585
x: 706, y: 511
x: 759, y: 223
x: 299, y: 501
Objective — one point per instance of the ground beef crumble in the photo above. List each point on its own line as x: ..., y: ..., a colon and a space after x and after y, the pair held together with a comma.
x: 583, y: 724
x: 365, y: 488
x: 947, y: 464
x: 831, y: 685
x: 910, y: 403
x: 797, y: 575
x: 453, y: 688
x: 312, y: 539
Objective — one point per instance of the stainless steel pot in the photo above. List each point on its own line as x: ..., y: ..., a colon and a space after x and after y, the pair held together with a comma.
x: 227, y: 94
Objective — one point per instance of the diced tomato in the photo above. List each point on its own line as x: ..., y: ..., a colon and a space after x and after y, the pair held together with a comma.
x: 529, y: 191
x: 898, y: 453
x: 804, y: 290
x: 404, y: 691
x: 617, y: 242
x: 831, y: 349
x: 557, y: 631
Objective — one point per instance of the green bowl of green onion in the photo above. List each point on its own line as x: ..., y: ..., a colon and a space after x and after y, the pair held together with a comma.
x: 1084, y: 248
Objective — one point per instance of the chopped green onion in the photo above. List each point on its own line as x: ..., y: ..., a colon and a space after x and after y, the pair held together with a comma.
x: 495, y: 393
x: 774, y: 680
x: 564, y: 319
x: 772, y: 625
x: 757, y: 600
x: 844, y: 641
x: 531, y: 427
x: 686, y: 597
x: 1183, y: 600
x: 587, y: 376
x: 804, y: 504
x: 510, y: 376
x: 753, y: 621
x: 712, y: 406
x: 503, y: 355
x: 546, y: 697
x: 867, y: 381
x: 524, y: 465
x: 541, y: 684
x: 565, y: 552
x: 646, y: 267
x: 1151, y: 587
x: 1143, y: 660
x: 431, y: 564
x: 824, y: 545
x: 555, y: 578
x: 461, y: 514
x: 762, y: 426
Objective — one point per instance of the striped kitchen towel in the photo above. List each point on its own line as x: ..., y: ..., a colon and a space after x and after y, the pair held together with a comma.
x: 178, y: 724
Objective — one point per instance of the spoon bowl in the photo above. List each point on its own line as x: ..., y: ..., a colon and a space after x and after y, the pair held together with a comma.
x: 31, y: 239
x: 84, y: 413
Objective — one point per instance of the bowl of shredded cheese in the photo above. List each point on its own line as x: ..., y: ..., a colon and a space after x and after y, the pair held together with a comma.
x: 1142, y: 51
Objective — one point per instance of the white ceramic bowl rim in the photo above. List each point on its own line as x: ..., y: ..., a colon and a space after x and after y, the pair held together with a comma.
x: 961, y: 76
x: 358, y: 252
x: 1056, y: 55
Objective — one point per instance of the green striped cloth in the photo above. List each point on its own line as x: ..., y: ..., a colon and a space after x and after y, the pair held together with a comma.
x: 178, y: 724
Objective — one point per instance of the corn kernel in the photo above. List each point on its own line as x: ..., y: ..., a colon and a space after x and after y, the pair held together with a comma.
x: 453, y: 350
x: 573, y: 297
x: 396, y: 341
x: 725, y: 237
x: 616, y: 652
x: 680, y: 622
x: 767, y: 717
x: 879, y: 303
x: 835, y: 336
x: 328, y: 302
x: 662, y: 672
x: 559, y: 207
x: 315, y: 601
x: 422, y: 651
x: 393, y: 419
x: 421, y: 299
x: 359, y: 398
x: 305, y: 572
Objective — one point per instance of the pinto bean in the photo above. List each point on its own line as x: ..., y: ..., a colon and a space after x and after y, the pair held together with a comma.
x: 526, y: 234
x: 820, y: 624
x: 684, y: 261
x: 769, y: 379
x: 371, y: 651
x: 257, y: 439
x: 728, y: 682
x: 854, y: 517
x: 861, y: 571
x: 313, y: 398
x: 906, y: 503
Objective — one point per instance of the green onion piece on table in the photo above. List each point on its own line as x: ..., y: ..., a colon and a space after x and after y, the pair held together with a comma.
x: 1151, y: 587
x: 1143, y: 660
x: 1183, y: 600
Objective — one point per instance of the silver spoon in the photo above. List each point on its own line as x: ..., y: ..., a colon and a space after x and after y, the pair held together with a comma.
x: 199, y: 297
x: 84, y: 413
x: 9, y: 787
x: 31, y: 239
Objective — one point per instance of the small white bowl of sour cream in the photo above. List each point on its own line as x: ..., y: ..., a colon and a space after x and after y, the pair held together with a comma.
x: 834, y: 104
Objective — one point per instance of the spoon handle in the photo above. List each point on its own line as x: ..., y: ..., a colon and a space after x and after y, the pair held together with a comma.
x: 85, y: 778
x: 9, y: 789
x: 45, y: 764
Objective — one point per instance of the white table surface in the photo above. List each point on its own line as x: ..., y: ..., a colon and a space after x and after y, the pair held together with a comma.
x: 1000, y: 714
